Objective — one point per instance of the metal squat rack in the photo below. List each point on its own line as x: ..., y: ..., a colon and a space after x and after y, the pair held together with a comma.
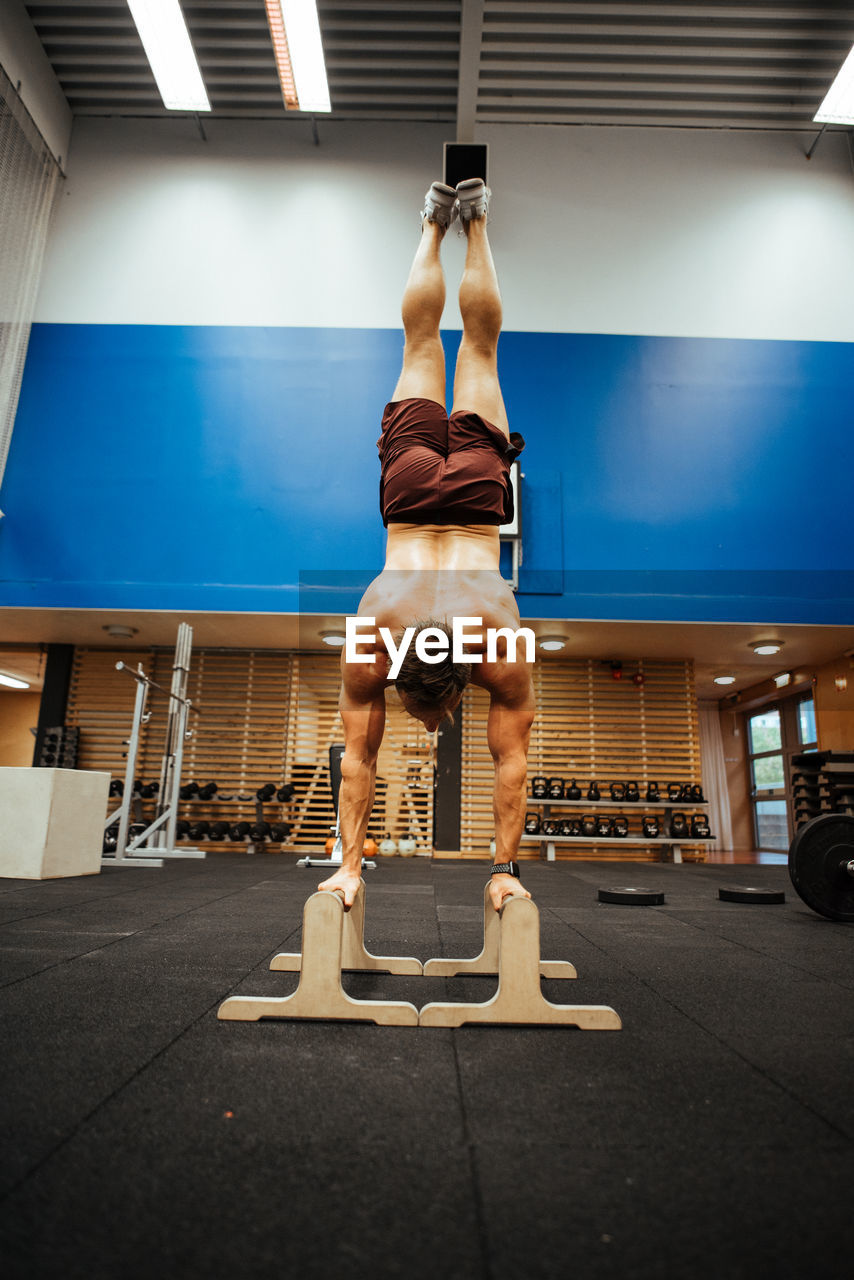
x: 156, y: 843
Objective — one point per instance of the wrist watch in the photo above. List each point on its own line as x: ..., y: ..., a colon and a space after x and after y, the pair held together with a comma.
x: 505, y: 868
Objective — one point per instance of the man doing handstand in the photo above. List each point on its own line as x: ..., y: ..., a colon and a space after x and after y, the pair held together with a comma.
x: 444, y: 491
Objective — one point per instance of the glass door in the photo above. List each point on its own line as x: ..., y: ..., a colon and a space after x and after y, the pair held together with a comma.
x: 774, y: 735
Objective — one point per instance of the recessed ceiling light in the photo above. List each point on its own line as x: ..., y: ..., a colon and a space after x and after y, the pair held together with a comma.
x: 12, y: 682
x: 552, y: 644
x: 724, y: 679
x: 118, y: 631
x: 335, y: 638
x: 764, y: 648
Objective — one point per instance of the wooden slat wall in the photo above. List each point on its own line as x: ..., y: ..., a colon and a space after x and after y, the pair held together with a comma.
x: 403, y: 805
x: 589, y: 726
x: 265, y: 717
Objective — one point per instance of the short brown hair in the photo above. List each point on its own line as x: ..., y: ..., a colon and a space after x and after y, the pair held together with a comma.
x: 432, y: 683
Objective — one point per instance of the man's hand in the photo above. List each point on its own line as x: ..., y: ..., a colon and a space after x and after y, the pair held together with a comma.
x: 346, y: 883
x: 502, y: 887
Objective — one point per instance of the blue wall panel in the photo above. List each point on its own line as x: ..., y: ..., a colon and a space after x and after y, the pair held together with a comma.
x: 208, y: 468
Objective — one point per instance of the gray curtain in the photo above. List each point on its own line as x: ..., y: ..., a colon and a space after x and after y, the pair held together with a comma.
x: 714, y: 774
x: 29, y: 180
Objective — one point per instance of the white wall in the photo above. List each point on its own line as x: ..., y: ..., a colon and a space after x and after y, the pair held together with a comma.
x: 600, y: 230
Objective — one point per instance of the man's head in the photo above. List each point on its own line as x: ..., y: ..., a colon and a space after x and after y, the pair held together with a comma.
x: 430, y: 691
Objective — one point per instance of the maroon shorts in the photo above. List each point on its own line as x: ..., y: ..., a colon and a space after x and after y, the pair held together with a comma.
x: 441, y: 470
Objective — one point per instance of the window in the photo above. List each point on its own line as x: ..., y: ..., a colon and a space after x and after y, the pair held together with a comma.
x: 774, y: 735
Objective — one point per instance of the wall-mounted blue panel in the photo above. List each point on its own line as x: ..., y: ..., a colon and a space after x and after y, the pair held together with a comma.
x: 207, y: 468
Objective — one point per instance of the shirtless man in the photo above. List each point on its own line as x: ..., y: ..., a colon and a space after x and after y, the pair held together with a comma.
x: 444, y: 491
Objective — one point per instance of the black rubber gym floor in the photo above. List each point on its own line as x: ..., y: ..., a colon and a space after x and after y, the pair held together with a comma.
x: 712, y: 1137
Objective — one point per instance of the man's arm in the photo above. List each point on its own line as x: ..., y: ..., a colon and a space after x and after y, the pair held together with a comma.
x: 362, y: 707
x: 508, y: 730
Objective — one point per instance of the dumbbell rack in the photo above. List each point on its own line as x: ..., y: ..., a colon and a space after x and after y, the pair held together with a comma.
x: 822, y: 782
x: 622, y: 809
x: 243, y: 800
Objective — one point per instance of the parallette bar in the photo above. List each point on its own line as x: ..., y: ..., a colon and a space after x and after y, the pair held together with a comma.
x: 519, y: 1000
x: 354, y: 956
x: 320, y: 995
x: 487, y: 961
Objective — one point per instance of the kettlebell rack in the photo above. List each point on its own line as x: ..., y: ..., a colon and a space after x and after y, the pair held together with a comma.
x: 670, y: 846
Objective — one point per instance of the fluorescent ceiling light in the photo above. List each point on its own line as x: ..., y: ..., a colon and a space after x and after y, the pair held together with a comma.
x: 166, y: 41
x: 13, y: 683
x: 295, y: 32
x: 838, y: 106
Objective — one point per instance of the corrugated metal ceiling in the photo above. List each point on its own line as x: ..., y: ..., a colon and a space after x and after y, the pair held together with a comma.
x: 720, y: 64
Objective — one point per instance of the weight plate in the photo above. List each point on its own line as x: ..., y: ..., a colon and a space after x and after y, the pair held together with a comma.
x: 748, y: 896
x: 817, y: 860
x: 632, y: 897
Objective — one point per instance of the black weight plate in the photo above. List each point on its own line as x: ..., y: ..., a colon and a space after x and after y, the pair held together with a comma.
x: 816, y: 865
x: 632, y: 897
x: 752, y: 895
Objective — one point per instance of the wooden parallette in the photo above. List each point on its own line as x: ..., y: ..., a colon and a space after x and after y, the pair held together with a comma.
x: 333, y: 941
x: 487, y: 961
x: 320, y: 994
x: 519, y: 1000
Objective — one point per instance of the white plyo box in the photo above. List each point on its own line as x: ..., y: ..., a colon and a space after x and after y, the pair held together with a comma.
x: 51, y: 822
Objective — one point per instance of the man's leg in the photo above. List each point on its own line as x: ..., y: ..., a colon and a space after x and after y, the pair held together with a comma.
x: 423, y: 374
x: 476, y: 386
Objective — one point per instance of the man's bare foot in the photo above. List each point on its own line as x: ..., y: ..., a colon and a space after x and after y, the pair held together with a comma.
x: 344, y: 883
x: 502, y: 887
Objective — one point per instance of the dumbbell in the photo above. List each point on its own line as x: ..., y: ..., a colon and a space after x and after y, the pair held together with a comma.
x: 219, y: 830
x: 266, y: 792
x: 189, y: 791
x: 259, y: 831
x: 208, y: 791
x: 285, y: 792
x: 149, y: 790
x: 279, y: 832
x: 111, y: 839
x: 198, y: 830
x: 117, y: 787
x: 239, y: 830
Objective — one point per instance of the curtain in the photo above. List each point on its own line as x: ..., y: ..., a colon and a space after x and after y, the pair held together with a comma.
x: 29, y: 180
x: 714, y: 773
